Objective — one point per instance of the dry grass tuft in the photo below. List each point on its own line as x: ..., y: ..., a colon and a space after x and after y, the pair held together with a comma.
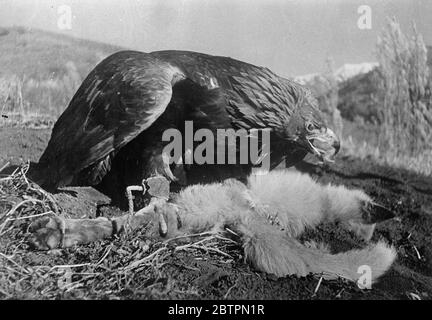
x: 129, y: 266
x: 420, y: 163
x: 36, y: 103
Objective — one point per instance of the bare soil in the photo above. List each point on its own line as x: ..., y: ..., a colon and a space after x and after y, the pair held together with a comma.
x: 186, y: 275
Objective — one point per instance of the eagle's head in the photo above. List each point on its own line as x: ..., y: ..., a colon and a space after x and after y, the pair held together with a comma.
x: 320, y: 140
x: 308, y: 131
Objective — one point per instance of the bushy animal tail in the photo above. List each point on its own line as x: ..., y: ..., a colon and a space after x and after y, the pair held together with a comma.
x: 272, y: 251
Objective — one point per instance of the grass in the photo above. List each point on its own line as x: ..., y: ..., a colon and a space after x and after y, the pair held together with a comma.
x: 129, y: 266
x: 362, y: 141
x: 25, y: 99
x: 41, y: 71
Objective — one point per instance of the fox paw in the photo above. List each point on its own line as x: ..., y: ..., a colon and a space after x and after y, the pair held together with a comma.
x: 374, y: 213
x: 370, y: 214
x: 47, y: 233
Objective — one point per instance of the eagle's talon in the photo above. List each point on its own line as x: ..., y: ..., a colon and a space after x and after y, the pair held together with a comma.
x: 163, y: 227
x: 166, y: 167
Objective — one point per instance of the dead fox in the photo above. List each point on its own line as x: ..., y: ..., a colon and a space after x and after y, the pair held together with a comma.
x: 269, y: 213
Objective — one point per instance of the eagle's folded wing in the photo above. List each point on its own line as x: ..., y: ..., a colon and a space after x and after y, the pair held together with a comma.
x: 119, y: 99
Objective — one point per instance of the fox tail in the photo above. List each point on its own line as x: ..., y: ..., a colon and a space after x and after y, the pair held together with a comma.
x: 273, y: 251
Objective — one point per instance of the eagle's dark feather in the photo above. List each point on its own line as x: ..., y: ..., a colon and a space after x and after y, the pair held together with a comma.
x: 121, y: 109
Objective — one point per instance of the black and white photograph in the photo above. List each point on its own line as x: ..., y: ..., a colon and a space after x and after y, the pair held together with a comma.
x: 215, y: 150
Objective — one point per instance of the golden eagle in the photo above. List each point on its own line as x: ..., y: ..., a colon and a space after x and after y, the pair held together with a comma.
x: 110, y: 134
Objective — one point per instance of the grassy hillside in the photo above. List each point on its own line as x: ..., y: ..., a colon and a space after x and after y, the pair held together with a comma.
x: 44, y: 55
x: 40, y: 71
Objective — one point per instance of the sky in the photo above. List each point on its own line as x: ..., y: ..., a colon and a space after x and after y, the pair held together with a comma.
x: 291, y: 37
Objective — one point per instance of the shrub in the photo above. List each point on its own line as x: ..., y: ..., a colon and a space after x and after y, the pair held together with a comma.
x: 405, y: 82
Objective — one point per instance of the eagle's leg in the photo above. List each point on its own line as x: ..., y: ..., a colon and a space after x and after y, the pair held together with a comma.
x: 158, y: 188
x: 156, y: 162
x: 155, y: 173
x: 142, y: 163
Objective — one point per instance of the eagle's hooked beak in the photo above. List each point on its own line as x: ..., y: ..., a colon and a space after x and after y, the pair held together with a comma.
x: 325, y: 144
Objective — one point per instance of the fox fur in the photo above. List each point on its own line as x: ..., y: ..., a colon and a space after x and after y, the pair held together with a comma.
x: 269, y: 214
x: 272, y: 211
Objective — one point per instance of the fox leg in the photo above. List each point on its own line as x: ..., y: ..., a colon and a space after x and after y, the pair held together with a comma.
x: 56, y: 232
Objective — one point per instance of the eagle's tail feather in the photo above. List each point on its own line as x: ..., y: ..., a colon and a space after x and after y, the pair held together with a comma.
x: 47, y: 177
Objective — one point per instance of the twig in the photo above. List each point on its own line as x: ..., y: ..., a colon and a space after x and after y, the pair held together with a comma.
x: 317, y: 287
x: 414, y: 296
x: 230, y: 231
x: 226, y: 239
x: 69, y: 266
x: 190, y: 236
x: 417, y: 252
x: 29, y: 217
x: 195, y: 243
x: 5, y: 166
x: 339, y: 295
x: 208, y: 249
x: 5, y: 293
x: 15, y: 263
x: 104, y: 256
x: 32, y: 200
x: 48, y: 196
x: 146, y: 258
x: 229, y: 290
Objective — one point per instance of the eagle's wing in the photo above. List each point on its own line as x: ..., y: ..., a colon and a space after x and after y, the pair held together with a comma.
x: 255, y: 96
x: 120, y: 98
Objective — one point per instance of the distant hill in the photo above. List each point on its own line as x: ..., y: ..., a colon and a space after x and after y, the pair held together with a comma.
x: 40, y: 71
x: 41, y: 55
x: 359, y: 97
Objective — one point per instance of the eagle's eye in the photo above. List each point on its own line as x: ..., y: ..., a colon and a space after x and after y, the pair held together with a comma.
x: 310, y: 127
